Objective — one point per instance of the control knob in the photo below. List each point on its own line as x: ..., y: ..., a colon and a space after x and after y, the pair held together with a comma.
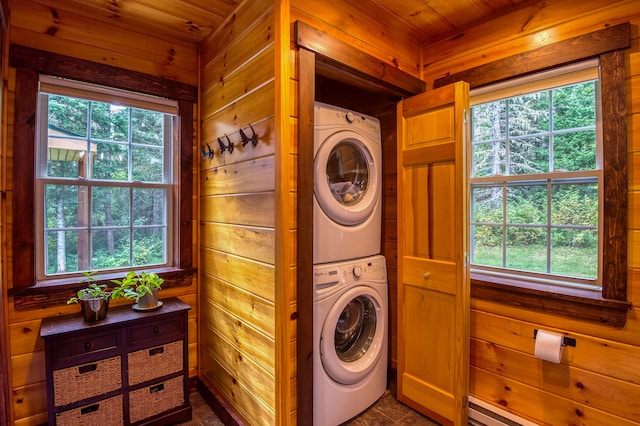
x: 357, y: 271
x: 350, y: 117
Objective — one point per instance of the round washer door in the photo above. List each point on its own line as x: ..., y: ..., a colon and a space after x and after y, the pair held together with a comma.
x: 345, y: 178
x: 353, y: 335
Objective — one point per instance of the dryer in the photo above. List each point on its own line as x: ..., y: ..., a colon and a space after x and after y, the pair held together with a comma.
x: 347, y: 184
x: 350, y: 336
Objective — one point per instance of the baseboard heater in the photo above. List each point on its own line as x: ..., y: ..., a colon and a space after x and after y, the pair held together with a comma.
x: 483, y: 414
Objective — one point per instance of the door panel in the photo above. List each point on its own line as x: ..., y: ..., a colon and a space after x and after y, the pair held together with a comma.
x: 433, y: 284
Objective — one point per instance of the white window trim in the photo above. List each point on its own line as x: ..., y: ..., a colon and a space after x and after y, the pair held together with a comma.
x: 64, y: 87
x: 546, y: 80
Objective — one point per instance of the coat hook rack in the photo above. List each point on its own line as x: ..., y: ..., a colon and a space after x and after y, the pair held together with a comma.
x: 245, y: 139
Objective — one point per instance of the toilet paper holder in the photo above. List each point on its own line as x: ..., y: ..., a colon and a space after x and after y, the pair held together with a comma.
x: 566, y: 341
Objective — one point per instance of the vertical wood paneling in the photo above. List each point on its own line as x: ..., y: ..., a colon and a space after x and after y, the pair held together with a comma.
x: 238, y: 214
x: 586, y: 387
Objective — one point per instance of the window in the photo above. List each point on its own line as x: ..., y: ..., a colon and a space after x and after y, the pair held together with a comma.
x: 104, y: 173
x: 536, y: 178
x: 31, y: 291
x: 608, y: 306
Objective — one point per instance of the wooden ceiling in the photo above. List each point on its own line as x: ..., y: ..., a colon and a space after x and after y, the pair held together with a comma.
x: 192, y: 21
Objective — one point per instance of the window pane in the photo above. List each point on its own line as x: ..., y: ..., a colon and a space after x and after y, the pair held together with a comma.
x: 527, y: 249
x: 529, y: 155
x: 147, y: 127
x: 111, y: 162
x: 574, y: 252
x: 487, y: 245
x: 68, y: 115
x: 109, y: 122
x: 527, y: 204
x: 489, y: 121
x: 110, y: 206
x: 529, y: 114
x: 487, y: 204
x: 149, y: 206
x: 147, y: 164
x: 148, y: 246
x: 574, y: 204
x: 64, y: 251
x: 65, y: 206
x: 110, y: 248
x: 489, y: 159
x: 575, y: 151
x: 574, y: 106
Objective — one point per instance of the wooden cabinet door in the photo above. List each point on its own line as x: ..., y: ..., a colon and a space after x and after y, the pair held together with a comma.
x: 433, y: 282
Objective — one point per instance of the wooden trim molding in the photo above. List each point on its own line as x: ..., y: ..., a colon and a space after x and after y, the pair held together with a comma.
x: 574, y: 303
x: 29, y: 64
x: 607, y: 45
x: 343, y: 62
x: 304, y: 281
x: 553, y: 55
x: 64, y: 66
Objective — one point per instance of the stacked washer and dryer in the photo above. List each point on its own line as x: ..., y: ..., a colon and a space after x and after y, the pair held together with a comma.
x: 350, y: 330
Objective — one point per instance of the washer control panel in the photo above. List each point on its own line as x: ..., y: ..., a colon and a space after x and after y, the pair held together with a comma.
x: 372, y: 269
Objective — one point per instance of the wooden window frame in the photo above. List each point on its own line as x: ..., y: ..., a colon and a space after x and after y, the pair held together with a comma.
x: 29, y: 64
x: 610, y: 307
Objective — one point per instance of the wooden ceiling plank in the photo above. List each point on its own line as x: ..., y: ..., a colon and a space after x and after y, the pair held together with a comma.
x: 137, y: 17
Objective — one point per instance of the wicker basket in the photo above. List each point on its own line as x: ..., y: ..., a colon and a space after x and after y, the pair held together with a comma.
x: 84, y: 381
x: 158, y: 361
x: 152, y: 400
x: 107, y: 412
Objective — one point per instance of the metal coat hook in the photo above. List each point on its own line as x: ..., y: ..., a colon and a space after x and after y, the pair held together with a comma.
x: 244, y: 137
x: 254, y: 136
x: 230, y: 146
x: 224, y: 147
x: 208, y: 153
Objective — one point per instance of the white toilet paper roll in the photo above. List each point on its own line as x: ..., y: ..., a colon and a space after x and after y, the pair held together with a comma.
x: 548, y: 346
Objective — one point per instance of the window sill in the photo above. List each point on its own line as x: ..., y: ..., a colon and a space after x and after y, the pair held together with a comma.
x: 54, y: 292
x: 575, y: 303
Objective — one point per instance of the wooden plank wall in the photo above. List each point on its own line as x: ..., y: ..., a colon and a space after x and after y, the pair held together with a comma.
x: 32, y: 24
x: 238, y: 214
x: 598, y: 381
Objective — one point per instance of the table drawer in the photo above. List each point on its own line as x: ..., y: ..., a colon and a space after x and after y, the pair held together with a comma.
x: 87, y: 380
x: 151, y: 331
x: 63, y: 349
x: 148, y: 364
x: 107, y: 412
x: 151, y: 400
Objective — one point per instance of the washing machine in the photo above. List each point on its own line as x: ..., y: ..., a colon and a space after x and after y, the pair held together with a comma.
x: 350, y: 336
x: 347, y: 184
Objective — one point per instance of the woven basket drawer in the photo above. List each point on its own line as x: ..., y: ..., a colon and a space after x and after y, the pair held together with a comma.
x: 152, y: 400
x: 150, y: 363
x: 107, y: 412
x: 85, y: 381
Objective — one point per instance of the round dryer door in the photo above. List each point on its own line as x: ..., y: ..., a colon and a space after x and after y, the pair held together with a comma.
x: 345, y: 178
x: 352, y: 336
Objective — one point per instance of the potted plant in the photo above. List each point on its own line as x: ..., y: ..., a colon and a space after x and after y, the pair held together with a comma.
x: 93, y: 299
x: 142, y: 287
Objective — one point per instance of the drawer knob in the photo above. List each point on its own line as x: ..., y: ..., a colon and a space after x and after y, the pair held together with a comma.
x: 156, y: 330
x: 87, y: 346
x: 90, y: 409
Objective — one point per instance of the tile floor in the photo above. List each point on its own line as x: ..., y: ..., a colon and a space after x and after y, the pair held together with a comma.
x: 386, y: 412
